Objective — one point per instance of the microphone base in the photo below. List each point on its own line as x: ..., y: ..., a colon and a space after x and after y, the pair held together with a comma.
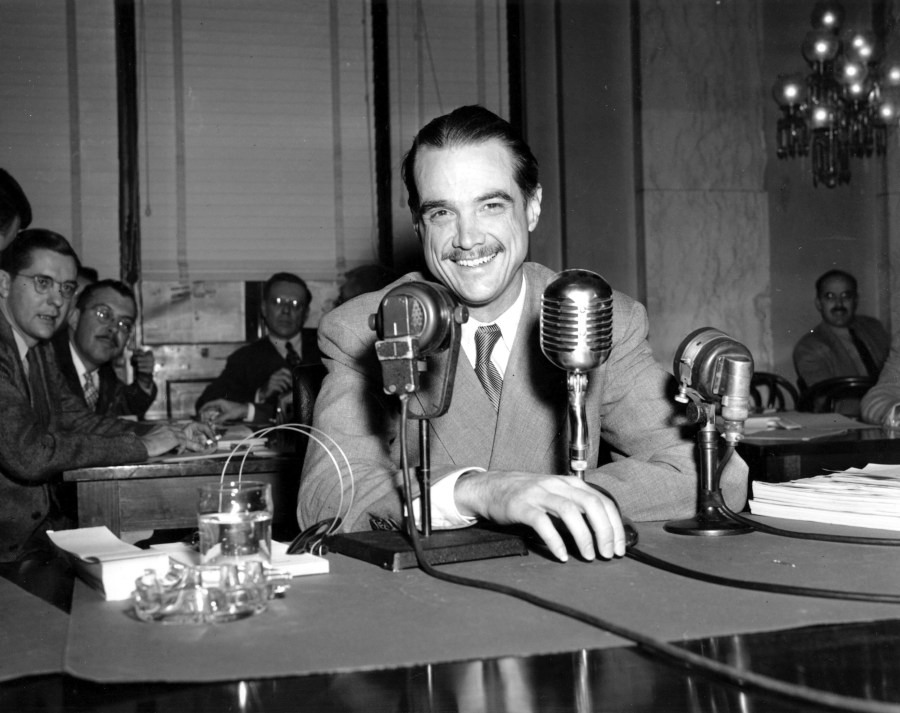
x: 392, y: 550
x: 708, y: 522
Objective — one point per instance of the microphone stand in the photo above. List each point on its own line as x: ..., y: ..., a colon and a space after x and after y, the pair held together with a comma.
x: 578, y: 438
x: 711, y: 519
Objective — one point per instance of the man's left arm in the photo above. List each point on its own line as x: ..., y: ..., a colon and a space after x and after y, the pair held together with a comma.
x: 654, y: 473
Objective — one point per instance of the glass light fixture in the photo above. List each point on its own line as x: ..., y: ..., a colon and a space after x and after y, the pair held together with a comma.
x: 847, y: 103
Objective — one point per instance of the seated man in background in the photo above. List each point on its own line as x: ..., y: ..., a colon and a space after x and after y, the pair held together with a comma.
x: 499, y: 451
x: 882, y: 401
x: 45, y: 428
x: 15, y: 210
x: 98, y: 329
x: 844, y: 343
x: 257, y: 375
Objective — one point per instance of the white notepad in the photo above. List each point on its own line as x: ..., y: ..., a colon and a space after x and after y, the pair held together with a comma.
x: 105, y: 562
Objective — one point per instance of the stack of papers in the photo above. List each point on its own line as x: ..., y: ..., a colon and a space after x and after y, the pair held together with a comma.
x: 107, y: 563
x: 866, y: 497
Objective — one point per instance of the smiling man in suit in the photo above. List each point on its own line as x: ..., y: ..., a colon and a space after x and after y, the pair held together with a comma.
x: 475, y: 197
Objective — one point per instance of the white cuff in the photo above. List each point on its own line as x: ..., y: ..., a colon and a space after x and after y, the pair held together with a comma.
x: 444, y: 515
x: 251, y: 412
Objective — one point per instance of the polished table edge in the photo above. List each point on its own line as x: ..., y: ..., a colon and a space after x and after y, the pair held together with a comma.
x: 210, y: 466
x: 858, y: 659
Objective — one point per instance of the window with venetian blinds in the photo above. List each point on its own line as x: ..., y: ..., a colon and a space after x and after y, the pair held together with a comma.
x: 256, y: 138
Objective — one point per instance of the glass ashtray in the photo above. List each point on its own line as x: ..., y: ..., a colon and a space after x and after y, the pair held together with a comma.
x: 207, y: 594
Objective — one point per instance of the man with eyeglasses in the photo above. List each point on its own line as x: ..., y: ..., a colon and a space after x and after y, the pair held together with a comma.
x: 99, y: 327
x: 257, y: 375
x: 844, y: 343
x: 44, y: 427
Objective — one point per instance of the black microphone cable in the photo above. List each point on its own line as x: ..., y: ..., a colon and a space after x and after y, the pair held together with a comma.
x: 670, y: 652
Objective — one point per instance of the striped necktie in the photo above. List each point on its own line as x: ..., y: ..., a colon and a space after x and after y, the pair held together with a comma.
x: 485, y: 339
x: 91, y: 394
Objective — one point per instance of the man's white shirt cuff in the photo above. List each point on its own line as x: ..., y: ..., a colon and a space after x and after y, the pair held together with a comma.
x: 444, y: 515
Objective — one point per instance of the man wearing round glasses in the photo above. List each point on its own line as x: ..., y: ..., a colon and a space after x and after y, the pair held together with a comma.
x: 44, y: 427
x: 99, y: 327
x: 258, y: 374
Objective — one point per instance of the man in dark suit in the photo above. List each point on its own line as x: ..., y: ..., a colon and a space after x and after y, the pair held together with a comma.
x: 98, y: 330
x: 45, y: 428
x: 258, y: 375
x: 499, y: 451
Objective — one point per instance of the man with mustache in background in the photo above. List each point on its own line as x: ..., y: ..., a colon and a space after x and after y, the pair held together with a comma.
x: 844, y: 343
x: 98, y: 330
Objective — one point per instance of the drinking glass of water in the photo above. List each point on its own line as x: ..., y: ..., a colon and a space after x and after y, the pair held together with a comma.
x: 235, y: 522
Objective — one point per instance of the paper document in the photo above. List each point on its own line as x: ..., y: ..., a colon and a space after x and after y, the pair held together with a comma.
x: 864, y: 497
x: 105, y: 562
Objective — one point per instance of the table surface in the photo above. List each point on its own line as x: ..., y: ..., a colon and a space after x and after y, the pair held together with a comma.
x: 855, y: 658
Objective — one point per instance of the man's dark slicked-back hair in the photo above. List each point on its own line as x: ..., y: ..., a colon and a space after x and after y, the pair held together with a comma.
x: 17, y: 256
x: 116, y: 285
x: 466, y: 126
x: 13, y: 202
x: 834, y: 273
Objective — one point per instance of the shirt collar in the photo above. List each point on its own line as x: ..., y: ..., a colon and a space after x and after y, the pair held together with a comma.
x: 80, y: 368
x: 508, y: 321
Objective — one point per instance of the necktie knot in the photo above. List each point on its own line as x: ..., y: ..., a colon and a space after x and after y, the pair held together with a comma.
x: 293, y: 358
x: 488, y: 374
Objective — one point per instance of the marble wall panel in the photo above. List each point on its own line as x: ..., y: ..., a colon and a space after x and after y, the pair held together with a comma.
x: 708, y: 266
x: 702, y: 95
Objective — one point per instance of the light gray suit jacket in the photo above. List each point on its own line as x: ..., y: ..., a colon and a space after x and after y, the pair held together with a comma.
x: 654, y: 470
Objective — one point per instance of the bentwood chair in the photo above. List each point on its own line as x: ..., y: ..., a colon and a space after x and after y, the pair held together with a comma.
x: 841, y: 394
x: 772, y: 392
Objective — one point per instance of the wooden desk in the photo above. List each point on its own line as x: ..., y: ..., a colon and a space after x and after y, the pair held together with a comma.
x: 152, y: 496
x: 777, y: 461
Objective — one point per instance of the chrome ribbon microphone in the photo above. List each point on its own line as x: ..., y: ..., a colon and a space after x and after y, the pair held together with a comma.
x: 576, y: 335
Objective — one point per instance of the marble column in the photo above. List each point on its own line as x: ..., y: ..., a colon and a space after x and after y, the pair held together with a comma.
x: 704, y: 218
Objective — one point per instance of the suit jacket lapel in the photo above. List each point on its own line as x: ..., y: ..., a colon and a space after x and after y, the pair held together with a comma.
x: 532, y: 416
x: 466, y: 431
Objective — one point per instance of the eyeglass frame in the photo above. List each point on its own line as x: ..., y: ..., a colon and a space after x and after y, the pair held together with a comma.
x: 126, y: 327
x: 44, y: 290
x: 292, y: 302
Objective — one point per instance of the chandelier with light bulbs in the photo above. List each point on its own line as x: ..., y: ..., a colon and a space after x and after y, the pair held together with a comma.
x: 846, y: 106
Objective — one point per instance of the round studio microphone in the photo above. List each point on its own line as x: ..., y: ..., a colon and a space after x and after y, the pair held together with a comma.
x: 576, y: 335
